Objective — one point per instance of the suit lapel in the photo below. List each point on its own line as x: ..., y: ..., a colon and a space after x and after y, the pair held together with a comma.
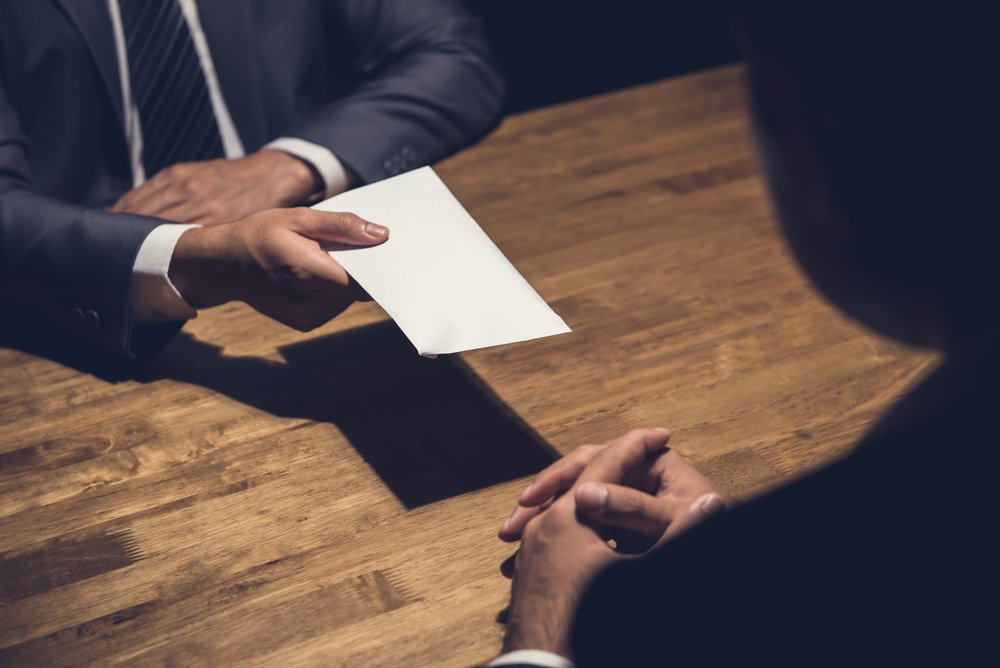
x: 229, y: 29
x: 91, y: 18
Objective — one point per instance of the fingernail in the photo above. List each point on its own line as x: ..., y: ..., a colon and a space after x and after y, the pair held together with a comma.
x: 592, y: 496
x: 660, y: 437
x: 527, y: 491
x: 375, y: 230
x: 709, y: 504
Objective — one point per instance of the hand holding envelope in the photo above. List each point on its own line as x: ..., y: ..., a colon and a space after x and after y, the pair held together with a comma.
x: 444, y: 282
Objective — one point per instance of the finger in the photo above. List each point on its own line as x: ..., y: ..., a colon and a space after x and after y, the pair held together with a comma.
x: 319, y: 271
x: 703, y: 507
x: 558, y: 477
x: 627, y: 508
x: 624, y: 454
x: 308, y: 320
x: 189, y: 211
x: 128, y: 202
x: 507, y: 567
x: 338, y: 228
x: 167, y: 200
x: 152, y: 196
x: 324, y: 308
x: 175, y: 185
x: 513, y: 526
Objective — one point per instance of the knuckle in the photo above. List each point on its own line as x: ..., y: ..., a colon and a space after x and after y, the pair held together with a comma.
x: 350, y: 223
x: 302, y: 216
x: 218, y: 210
x: 562, y: 515
x: 533, y: 527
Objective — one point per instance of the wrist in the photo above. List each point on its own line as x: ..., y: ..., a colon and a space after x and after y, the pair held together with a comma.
x: 539, y: 623
x: 195, y: 266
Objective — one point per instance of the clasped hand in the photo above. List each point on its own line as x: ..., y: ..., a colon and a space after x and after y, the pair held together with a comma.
x: 583, y: 512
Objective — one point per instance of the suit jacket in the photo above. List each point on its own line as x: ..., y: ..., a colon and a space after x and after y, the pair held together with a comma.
x: 886, y: 558
x: 386, y: 85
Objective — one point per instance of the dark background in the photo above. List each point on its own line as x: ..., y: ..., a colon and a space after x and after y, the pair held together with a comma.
x: 557, y: 50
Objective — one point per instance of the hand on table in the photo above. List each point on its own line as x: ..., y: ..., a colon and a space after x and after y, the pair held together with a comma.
x: 211, y: 192
x: 276, y: 262
x: 631, y: 487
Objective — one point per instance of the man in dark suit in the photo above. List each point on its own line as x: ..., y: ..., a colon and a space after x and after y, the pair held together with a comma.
x: 121, y: 118
x: 877, y: 131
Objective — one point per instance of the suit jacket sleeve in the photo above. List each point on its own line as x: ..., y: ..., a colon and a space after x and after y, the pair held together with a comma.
x: 429, y: 86
x: 72, y: 263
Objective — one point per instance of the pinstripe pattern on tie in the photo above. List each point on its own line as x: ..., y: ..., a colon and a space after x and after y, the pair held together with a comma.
x: 168, y: 85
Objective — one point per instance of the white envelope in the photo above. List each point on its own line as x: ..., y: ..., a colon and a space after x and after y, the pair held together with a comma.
x: 444, y: 282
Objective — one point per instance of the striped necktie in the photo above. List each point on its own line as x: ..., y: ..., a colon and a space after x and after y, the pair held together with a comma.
x: 168, y: 85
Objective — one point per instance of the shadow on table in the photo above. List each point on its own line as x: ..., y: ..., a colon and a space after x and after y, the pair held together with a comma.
x: 431, y: 429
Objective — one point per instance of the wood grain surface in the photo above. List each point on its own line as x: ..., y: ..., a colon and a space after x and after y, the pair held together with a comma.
x: 259, y: 496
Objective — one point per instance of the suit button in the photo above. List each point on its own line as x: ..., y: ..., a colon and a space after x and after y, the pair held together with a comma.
x: 76, y: 316
x: 91, y: 320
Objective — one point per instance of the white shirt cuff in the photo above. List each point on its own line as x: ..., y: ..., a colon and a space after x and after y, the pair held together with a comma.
x: 330, y: 169
x: 154, y: 297
x: 534, y: 657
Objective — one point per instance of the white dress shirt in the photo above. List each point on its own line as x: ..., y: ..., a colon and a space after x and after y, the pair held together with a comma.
x: 154, y: 297
x: 532, y: 657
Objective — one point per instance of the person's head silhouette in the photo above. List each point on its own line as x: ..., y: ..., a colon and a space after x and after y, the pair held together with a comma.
x: 877, y: 127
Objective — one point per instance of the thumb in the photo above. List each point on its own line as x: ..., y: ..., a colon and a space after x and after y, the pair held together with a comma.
x: 335, y: 227
x: 627, y: 508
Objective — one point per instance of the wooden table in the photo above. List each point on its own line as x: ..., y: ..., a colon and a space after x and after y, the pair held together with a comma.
x: 255, y: 495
